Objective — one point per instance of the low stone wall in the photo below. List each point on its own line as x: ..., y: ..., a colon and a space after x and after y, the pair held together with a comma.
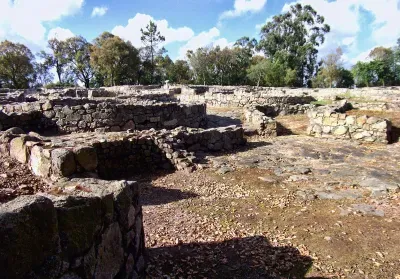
x: 242, y: 98
x: 79, y: 115
x: 116, y: 155
x: 377, y: 106
x: 329, y: 122
x: 265, y: 126
x: 90, y: 229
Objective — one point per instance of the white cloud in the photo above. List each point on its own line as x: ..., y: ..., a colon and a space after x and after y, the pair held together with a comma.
x: 348, y: 41
x: 363, y: 56
x: 24, y: 19
x: 132, y: 32
x: 99, y: 11
x: 204, y: 39
x: 60, y: 34
x: 242, y: 7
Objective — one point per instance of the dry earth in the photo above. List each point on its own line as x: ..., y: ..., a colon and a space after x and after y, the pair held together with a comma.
x: 288, y: 207
x: 16, y: 179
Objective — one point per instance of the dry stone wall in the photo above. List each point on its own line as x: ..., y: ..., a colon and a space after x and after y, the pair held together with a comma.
x: 80, y: 115
x: 116, y: 155
x: 265, y: 126
x: 328, y: 122
x: 90, y: 229
x: 241, y: 97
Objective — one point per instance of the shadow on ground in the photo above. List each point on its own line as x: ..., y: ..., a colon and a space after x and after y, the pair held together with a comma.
x: 283, y: 131
x: 151, y: 195
x: 250, y: 257
x: 202, y: 157
x: 215, y: 121
x: 395, y: 134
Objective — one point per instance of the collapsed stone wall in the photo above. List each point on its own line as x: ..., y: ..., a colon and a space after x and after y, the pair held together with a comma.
x: 80, y: 115
x: 89, y: 229
x: 328, y: 122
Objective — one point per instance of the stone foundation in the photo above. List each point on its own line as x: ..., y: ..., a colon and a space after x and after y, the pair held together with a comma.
x: 86, y: 229
x: 80, y: 115
x: 116, y: 155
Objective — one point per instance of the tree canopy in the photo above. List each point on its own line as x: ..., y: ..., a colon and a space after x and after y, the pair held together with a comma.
x: 286, y: 54
x: 292, y: 39
x: 16, y: 65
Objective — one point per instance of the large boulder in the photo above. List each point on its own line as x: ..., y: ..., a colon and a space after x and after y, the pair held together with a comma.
x: 28, y: 235
x: 79, y: 222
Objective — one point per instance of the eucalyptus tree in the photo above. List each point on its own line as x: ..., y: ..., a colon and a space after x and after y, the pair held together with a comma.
x: 294, y: 38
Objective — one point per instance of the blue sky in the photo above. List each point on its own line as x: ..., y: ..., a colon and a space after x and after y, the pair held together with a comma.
x: 357, y: 25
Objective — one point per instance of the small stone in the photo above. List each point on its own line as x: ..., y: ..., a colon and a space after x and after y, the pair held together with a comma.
x: 224, y: 170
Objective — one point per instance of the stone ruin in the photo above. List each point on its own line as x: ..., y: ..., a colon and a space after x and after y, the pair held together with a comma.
x: 87, y: 144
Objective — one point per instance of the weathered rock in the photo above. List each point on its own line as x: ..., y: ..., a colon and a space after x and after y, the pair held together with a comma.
x: 28, y: 235
x: 110, y: 254
x: 79, y: 223
x: 86, y: 157
x: 40, y: 161
x: 62, y: 162
x: 18, y: 150
x: 340, y: 130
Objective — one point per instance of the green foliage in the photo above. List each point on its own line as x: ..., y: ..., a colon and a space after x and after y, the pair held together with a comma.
x: 293, y: 38
x: 57, y: 85
x: 115, y: 61
x: 42, y: 75
x: 16, y: 65
x: 346, y: 79
x: 179, y: 72
x: 57, y: 58
x: 77, y: 53
x: 256, y: 73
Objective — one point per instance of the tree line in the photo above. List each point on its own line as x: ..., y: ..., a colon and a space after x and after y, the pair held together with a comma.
x: 286, y: 54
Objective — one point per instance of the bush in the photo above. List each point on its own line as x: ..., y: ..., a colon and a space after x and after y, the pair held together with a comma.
x: 58, y: 85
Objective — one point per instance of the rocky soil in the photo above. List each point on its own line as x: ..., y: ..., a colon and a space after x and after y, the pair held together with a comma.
x: 16, y: 179
x: 288, y: 207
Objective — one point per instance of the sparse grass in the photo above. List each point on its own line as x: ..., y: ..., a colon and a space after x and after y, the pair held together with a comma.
x: 322, y: 102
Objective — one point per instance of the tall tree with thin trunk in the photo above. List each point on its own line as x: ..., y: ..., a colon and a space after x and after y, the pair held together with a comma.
x: 57, y: 58
x: 293, y: 38
x: 78, y: 56
x: 151, y: 39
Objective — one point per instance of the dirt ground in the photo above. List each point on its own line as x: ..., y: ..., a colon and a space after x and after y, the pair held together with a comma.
x: 16, y: 179
x: 288, y: 207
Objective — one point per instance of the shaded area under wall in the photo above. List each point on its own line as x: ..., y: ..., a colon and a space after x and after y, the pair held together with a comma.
x: 292, y: 124
x: 249, y: 257
x: 151, y: 195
